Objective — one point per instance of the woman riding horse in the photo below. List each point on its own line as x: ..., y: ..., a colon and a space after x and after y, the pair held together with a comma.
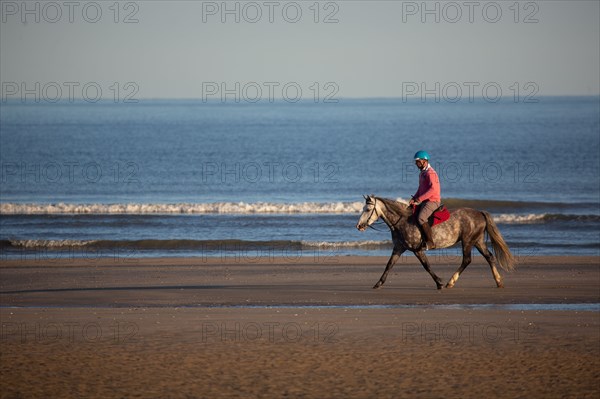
x: 428, y: 196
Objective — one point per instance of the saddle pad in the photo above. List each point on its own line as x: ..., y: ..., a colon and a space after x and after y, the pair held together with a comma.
x: 441, y: 215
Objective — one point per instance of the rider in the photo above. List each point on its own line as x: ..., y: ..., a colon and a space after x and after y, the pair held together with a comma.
x: 428, y: 195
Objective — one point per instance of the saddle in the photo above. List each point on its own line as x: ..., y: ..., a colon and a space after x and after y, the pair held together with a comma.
x: 438, y: 216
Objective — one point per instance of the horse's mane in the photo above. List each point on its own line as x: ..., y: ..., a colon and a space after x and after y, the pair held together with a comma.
x: 396, y: 207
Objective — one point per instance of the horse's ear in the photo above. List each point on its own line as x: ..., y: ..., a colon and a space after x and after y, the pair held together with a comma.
x: 365, y: 197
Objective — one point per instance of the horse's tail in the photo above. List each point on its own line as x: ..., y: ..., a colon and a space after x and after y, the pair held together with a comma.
x: 505, y: 258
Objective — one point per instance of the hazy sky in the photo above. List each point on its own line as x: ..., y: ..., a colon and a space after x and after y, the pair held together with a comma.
x: 183, y: 49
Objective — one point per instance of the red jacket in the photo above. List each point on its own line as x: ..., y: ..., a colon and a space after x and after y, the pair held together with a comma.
x: 429, y: 186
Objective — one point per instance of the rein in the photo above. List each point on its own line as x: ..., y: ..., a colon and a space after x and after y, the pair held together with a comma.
x: 371, y: 227
x: 374, y: 208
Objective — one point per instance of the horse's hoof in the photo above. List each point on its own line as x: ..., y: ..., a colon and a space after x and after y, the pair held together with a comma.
x: 501, y: 285
x: 439, y: 287
x: 449, y: 285
x: 377, y: 286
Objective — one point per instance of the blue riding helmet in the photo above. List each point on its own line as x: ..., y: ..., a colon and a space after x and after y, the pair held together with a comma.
x: 422, y: 155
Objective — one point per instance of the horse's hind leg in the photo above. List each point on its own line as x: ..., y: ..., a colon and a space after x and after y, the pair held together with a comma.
x: 465, y: 262
x: 425, y: 262
x: 395, y: 255
x: 489, y: 257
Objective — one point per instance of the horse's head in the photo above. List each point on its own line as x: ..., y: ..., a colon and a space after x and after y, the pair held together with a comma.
x: 369, y: 214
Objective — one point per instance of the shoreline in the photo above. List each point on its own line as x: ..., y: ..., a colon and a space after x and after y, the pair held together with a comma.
x: 297, y: 282
x: 351, y: 259
x: 178, y: 328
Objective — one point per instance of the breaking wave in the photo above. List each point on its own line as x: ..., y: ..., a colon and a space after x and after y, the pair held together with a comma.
x: 543, y: 218
x: 256, y: 207
x: 201, y: 245
x: 50, y: 244
x: 182, y: 208
x: 245, y: 208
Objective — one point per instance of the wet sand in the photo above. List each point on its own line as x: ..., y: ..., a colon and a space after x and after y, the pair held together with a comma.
x: 302, y: 327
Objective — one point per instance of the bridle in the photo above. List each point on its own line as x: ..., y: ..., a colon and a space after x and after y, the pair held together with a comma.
x: 371, y: 214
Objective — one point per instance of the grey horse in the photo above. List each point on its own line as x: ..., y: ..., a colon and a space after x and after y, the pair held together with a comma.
x: 465, y: 225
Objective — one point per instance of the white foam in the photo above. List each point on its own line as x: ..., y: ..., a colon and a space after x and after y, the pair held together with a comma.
x: 514, y: 218
x: 345, y: 244
x: 219, y: 208
x: 183, y: 208
x: 57, y: 244
x: 49, y: 243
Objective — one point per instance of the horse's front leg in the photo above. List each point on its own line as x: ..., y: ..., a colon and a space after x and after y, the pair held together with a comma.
x: 425, y: 262
x: 393, y: 259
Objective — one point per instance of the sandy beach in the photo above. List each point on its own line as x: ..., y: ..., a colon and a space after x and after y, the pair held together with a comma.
x: 303, y: 327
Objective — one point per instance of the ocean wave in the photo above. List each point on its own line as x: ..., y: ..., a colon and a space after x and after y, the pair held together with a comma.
x: 339, y: 207
x: 543, y: 218
x: 371, y: 244
x: 100, y: 248
x: 182, y: 208
x: 514, y: 218
x: 244, y: 208
x: 197, y: 245
x: 50, y: 244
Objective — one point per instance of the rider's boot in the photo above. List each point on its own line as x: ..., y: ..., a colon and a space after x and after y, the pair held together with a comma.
x: 426, y: 229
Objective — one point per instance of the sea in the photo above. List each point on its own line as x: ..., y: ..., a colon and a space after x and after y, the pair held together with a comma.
x: 247, y: 181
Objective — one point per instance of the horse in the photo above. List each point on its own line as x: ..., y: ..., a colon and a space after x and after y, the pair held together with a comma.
x: 466, y: 225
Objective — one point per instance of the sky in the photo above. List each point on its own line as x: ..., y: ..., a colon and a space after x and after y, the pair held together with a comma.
x: 285, y: 49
